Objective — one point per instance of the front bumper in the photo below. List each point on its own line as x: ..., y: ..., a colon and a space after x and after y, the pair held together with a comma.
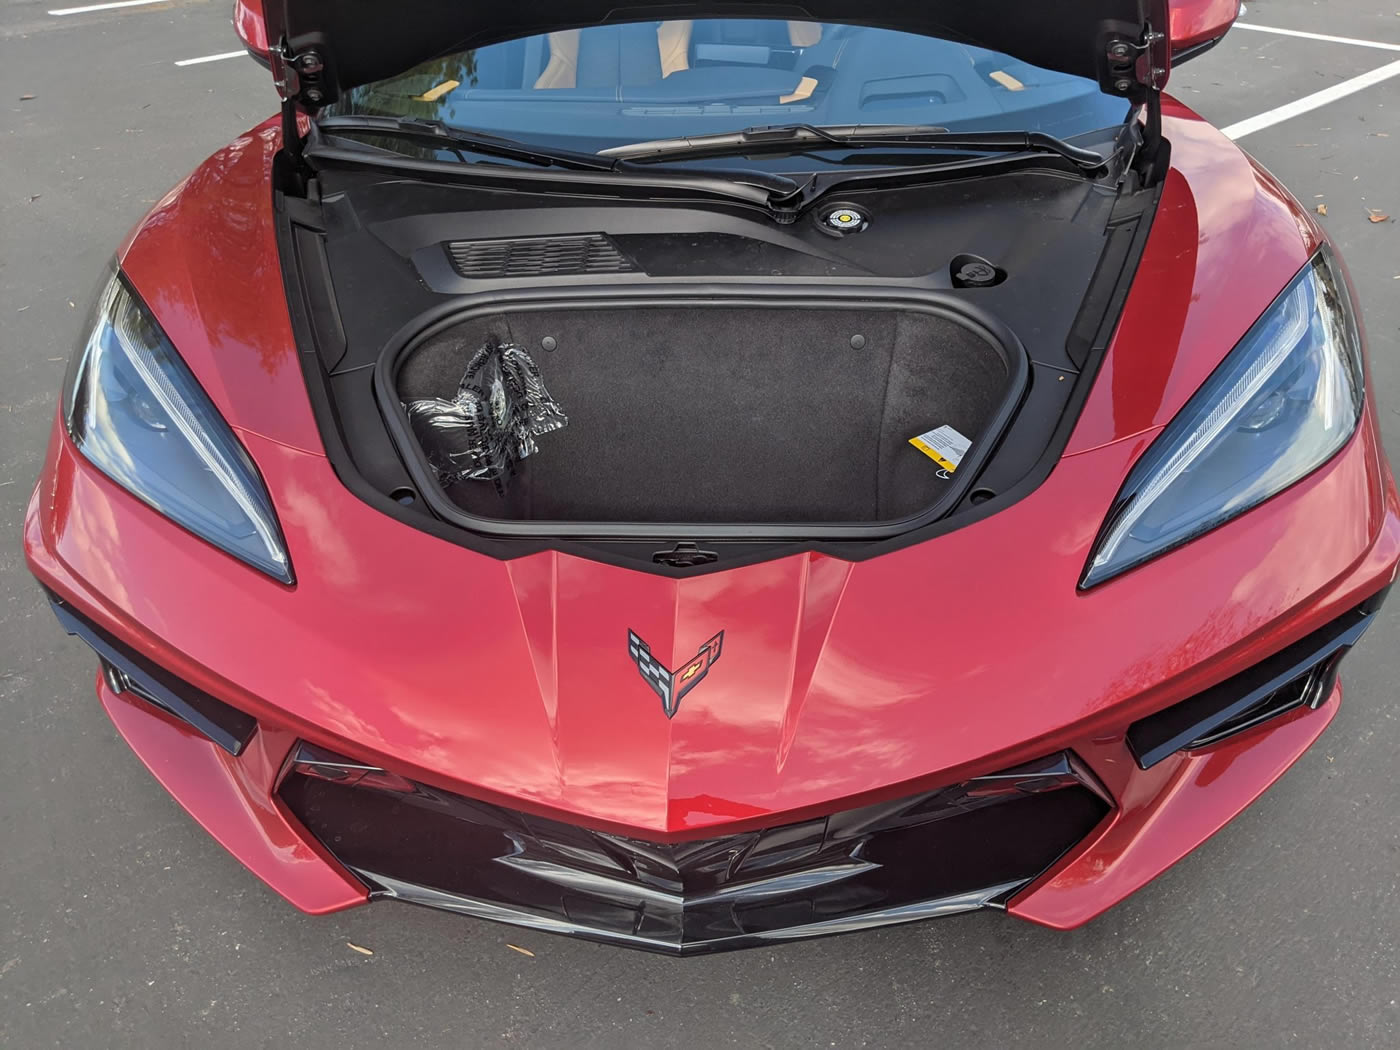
x: 964, y: 847
x: 153, y: 595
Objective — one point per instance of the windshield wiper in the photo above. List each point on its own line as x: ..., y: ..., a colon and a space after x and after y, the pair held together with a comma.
x: 799, y: 138
x: 462, y: 140
x: 459, y: 140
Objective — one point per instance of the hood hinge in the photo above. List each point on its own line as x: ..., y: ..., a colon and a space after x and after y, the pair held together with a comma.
x: 300, y: 83
x: 300, y: 76
x: 292, y: 142
x: 1137, y: 69
x: 1134, y: 68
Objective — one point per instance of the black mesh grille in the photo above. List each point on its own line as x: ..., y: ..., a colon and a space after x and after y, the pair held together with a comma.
x: 953, y: 849
x: 538, y: 256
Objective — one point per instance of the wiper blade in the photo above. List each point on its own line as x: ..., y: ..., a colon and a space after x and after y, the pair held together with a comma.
x: 461, y: 140
x: 788, y: 138
x: 458, y: 140
x: 771, y: 136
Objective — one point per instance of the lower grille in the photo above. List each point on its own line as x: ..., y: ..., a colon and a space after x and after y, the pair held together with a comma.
x: 955, y: 849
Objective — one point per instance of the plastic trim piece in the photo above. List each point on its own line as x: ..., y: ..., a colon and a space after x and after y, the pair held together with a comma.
x: 993, y: 897
x: 128, y: 671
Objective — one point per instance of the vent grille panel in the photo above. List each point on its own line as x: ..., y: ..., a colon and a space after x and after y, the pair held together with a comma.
x: 538, y: 257
x: 951, y: 849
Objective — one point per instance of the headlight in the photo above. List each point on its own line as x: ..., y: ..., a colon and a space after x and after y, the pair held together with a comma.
x: 137, y: 413
x: 1278, y: 407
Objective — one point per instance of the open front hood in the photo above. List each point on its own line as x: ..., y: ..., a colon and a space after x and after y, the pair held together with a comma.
x: 322, y: 48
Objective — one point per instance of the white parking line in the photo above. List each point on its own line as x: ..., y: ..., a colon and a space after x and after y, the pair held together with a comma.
x: 210, y: 58
x: 103, y: 7
x: 1310, y: 102
x: 1319, y: 36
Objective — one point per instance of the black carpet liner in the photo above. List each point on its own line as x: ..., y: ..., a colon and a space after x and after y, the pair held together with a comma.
x: 729, y: 414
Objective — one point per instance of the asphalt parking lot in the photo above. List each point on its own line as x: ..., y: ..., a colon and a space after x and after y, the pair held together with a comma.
x: 122, y: 924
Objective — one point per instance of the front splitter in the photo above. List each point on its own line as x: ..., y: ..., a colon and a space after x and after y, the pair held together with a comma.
x: 392, y: 889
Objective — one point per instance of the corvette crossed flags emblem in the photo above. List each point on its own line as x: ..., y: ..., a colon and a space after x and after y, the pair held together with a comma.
x: 671, y: 686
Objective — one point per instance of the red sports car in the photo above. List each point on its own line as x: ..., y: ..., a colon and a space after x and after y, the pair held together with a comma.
x: 695, y: 481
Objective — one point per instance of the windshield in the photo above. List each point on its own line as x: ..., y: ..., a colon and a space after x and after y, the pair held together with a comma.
x: 591, y: 89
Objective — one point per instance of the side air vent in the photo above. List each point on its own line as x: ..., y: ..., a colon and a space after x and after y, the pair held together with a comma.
x: 538, y: 257
x: 127, y: 670
x: 1303, y: 673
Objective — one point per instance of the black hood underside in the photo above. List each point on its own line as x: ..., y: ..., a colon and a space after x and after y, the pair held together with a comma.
x: 330, y: 46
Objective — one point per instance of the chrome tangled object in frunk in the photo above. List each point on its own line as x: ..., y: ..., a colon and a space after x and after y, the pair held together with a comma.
x: 501, y: 406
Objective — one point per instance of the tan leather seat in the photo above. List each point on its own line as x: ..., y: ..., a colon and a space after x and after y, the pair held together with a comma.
x: 673, y: 40
x: 672, y: 47
x: 562, y: 70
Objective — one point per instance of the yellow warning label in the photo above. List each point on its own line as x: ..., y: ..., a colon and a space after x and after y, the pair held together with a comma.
x: 933, y: 454
x: 944, y: 445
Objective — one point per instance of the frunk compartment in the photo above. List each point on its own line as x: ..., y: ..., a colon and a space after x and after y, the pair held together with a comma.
x: 733, y: 411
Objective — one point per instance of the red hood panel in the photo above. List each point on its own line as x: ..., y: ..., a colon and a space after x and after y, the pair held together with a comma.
x: 739, y: 721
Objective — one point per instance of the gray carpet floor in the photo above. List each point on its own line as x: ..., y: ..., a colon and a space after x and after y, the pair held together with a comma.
x: 728, y: 414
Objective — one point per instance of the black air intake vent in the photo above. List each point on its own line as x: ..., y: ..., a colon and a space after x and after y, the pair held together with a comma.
x: 538, y: 256
x: 128, y: 670
x: 1303, y: 673
x: 952, y: 849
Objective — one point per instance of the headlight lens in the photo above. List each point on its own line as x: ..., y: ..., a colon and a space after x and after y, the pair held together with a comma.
x: 1279, y: 406
x: 137, y: 413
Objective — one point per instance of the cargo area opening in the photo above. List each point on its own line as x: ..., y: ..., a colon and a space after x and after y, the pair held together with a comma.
x: 755, y: 412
